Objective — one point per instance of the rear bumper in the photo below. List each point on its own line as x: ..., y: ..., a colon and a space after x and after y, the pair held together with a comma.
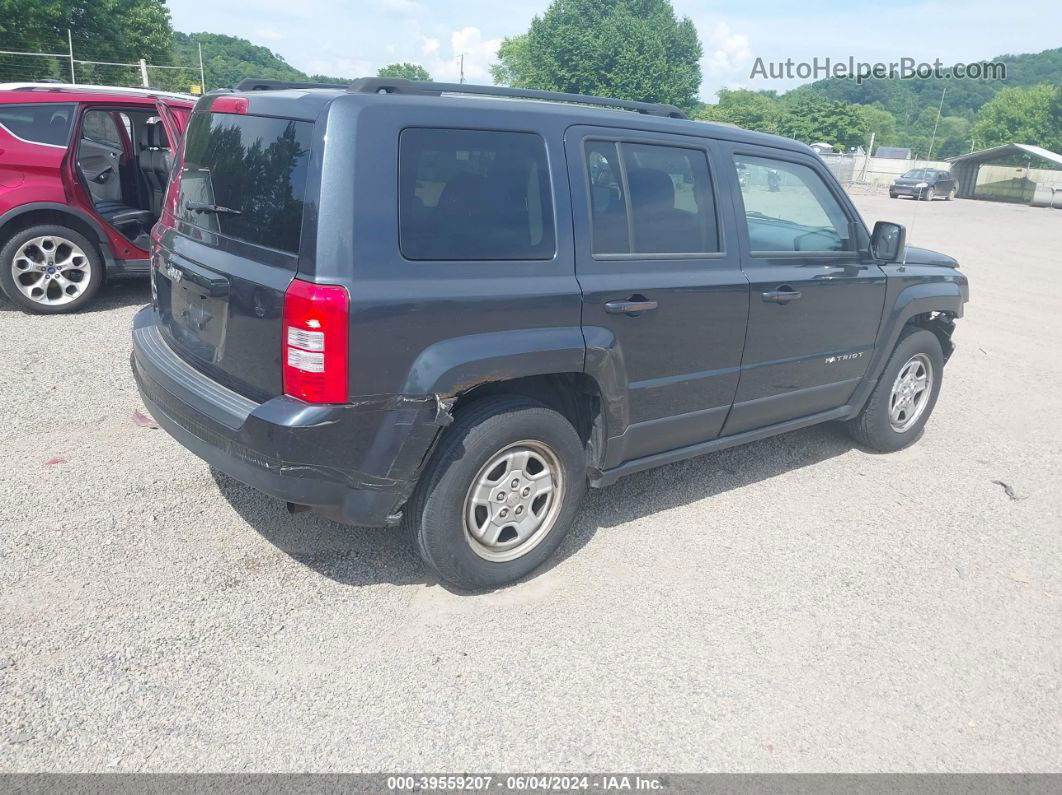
x: 355, y: 463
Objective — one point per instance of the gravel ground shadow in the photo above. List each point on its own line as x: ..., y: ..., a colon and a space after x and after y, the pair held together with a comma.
x: 117, y: 294
x: 360, y: 556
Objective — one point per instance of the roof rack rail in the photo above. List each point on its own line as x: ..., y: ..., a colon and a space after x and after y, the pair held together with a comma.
x: 389, y: 85
x: 87, y: 88
x: 267, y: 84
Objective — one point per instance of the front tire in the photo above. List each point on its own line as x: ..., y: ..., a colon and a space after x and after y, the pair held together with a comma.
x: 899, y: 407
x: 499, y: 494
x: 50, y: 269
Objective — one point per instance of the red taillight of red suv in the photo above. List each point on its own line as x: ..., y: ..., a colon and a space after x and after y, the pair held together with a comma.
x: 314, y: 346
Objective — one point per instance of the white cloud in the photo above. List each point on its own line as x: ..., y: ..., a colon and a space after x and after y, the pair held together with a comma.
x: 479, y: 54
x: 340, y: 67
x: 351, y: 39
x: 728, y: 51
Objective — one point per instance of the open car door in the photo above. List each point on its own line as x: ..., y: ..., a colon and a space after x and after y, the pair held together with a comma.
x: 173, y: 123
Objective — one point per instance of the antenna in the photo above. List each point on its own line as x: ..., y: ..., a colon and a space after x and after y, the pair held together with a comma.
x: 933, y: 137
x: 929, y: 156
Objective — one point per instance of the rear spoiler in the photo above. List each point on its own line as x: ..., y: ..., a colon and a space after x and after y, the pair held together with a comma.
x: 265, y: 84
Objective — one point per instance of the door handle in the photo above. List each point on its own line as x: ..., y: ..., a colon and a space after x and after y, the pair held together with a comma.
x: 632, y: 307
x: 783, y: 295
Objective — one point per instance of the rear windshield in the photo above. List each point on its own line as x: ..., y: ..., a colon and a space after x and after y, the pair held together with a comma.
x: 252, y: 169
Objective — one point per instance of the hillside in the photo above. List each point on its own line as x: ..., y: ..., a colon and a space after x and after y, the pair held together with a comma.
x: 905, y: 99
x: 228, y: 59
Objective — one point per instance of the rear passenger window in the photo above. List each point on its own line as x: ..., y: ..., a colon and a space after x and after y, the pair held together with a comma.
x: 39, y: 124
x: 474, y: 195
x: 251, y: 167
x: 659, y: 202
x: 98, y: 126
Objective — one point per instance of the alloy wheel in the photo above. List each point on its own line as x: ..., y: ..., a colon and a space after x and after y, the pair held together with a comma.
x: 910, y: 392
x: 51, y: 270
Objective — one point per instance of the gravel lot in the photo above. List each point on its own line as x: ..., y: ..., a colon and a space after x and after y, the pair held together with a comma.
x: 798, y: 604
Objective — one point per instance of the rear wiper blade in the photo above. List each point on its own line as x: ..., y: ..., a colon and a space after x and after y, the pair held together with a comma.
x: 203, y: 207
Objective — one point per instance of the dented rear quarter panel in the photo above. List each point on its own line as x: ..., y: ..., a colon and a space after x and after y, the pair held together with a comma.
x: 421, y: 328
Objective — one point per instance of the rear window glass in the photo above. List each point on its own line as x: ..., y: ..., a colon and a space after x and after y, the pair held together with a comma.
x: 98, y: 126
x: 245, y: 177
x: 474, y: 195
x: 40, y: 124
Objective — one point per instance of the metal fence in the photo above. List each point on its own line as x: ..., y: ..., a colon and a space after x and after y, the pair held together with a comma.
x: 18, y: 66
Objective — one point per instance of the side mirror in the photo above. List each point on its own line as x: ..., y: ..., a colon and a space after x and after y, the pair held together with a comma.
x: 888, y: 241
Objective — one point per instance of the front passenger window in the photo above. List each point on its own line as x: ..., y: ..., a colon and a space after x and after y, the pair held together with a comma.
x: 788, y: 207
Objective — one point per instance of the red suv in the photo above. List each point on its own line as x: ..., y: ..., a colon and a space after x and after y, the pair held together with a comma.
x: 82, y: 173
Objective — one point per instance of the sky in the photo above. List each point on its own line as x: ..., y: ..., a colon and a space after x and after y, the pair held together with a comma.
x: 354, y: 39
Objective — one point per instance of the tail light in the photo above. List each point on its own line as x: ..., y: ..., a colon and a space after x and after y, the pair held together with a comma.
x: 315, y: 342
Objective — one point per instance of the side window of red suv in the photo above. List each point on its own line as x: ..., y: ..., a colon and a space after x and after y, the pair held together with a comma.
x: 38, y: 123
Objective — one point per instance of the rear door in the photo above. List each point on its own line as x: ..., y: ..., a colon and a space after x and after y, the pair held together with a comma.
x: 101, y: 154
x: 660, y: 276
x: 33, y: 140
x: 173, y: 122
x: 814, y: 307
x: 230, y: 246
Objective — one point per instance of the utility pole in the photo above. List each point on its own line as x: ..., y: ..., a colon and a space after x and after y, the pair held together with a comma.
x: 866, y: 159
x: 70, y: 41
x: 462, y: 67
x: 143, y: 73
x: 202, y: 74
x: 933, y: 138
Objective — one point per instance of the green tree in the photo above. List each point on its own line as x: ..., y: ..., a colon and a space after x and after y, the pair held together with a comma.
x: 753, y: 110
x: 410, y: 71
x: 1020, y: 115
x: 102, y: 30
x: 881, y: 123
x: 628, y: 49
x: 227, y: 59
x: 810, y: 118
x: 514, y: 62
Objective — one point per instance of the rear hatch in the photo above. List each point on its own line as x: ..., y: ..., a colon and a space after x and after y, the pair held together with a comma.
x: 229, y: 246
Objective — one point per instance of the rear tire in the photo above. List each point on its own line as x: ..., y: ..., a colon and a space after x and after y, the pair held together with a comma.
x: 480, y: 527
x: 896, y: 411
x: 50, y: 269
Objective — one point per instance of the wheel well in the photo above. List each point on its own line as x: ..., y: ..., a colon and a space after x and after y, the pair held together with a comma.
x: 36, y: 217
x: 942, y: 324
x: 574, y: 395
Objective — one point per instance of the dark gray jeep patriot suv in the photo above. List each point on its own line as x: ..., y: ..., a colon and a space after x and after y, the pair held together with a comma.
x: 455, y: 307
